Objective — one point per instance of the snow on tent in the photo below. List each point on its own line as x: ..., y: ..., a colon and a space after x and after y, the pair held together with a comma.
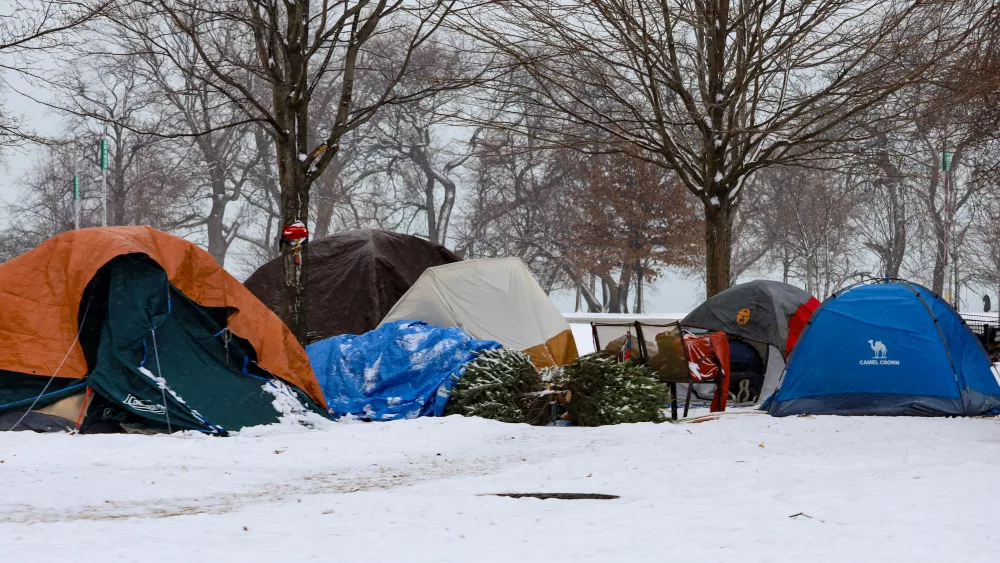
x: 767, y: 318
x: 354, y: 278
x: 891, y: 348
x: 493, y: 299
x: 130, y: 325
x: 402, y: 369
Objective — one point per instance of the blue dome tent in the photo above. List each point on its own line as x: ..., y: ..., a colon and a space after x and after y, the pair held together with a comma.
x: 892, y: 348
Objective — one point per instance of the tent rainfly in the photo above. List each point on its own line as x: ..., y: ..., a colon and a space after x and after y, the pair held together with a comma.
x: 115, y: 325
x: 354, y: 279
x: 491, y: 299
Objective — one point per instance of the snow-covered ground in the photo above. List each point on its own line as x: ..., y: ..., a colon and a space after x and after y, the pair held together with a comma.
x: 744, y: 488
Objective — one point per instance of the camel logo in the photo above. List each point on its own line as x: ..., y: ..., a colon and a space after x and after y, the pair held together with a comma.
x: 878, y: 348
x: 880, y: 355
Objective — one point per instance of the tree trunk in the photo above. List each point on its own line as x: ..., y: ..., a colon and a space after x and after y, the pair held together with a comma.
x: 117, y: 195
x: 268, y: 180
x: 593, y: 305
x: 215, y: 225
x: 432, y: 231
x: 956, y: 286
x: 447, y: 206
x: 939, y: 261
x: 624, y: 283
x: 437, y: 219
x: 116, y: 184
x: 294, y: 208
x: 718, y: 249
x: 638, y: 307
x: 327, y: 196
x: 587, y: 293
x: 810, y: 288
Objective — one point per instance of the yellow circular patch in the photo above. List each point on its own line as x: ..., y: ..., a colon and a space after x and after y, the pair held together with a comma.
x: 743, y: 317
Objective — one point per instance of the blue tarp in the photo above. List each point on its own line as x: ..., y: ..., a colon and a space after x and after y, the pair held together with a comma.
x: 402, y: 369
x: 887, y: 349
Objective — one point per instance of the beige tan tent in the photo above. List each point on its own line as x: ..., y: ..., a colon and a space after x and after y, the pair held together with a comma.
x: 496, y: 299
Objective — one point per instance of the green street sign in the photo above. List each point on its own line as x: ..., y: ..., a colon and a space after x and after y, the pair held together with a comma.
x: 946, y: 161
x: 104, y: 154
x: 76, y: 188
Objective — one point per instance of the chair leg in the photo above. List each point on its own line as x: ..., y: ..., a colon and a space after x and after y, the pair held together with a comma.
x: 673, y: 400
x: 687, y: 400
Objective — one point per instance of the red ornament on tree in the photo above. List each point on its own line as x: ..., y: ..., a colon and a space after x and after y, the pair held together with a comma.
x: 295, y: 235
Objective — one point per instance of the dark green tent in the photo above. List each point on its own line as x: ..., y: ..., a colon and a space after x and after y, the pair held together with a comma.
x: 154, y: 357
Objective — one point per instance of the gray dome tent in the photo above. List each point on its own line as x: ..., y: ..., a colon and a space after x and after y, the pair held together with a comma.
x: 767, y: 313
x: 764, y: 311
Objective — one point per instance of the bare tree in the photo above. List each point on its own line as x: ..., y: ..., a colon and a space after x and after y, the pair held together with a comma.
x: 213, y: 134
x: 410, y: 137
x: 45, y: 206
x: 605, y: 225
x: 294, y: 47
x: 754, y: 241
x: 807, y: 213
x: 426, y: 137
x: 956, y: 124
x: 637, y: 219
x: 518, y: 206
x: 984, y: 254
x: 885, y: 218
x: 716, y: 90
x: 112, y: 100
x: 30, y: 31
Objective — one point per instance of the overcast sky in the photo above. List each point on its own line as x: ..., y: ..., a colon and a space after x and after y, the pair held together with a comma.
x: 38, y: 118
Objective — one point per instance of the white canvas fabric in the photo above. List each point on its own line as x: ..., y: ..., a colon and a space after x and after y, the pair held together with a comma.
x: 773, y: 372
x: 491, y: 299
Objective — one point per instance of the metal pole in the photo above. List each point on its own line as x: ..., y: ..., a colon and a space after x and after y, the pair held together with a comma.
x: 947, y: 226
x: 76, y: 203
x: 958, y: 281
x: 104, y: 198
x: 104, y: 178
x: 953, y: 257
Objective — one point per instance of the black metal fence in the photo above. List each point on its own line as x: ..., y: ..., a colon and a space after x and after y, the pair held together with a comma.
x: 985, y: 327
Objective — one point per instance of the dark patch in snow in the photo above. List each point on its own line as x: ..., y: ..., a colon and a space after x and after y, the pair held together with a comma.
x: 559, y: 496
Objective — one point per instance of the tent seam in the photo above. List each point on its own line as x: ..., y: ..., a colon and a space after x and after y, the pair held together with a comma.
x: 944, y: 342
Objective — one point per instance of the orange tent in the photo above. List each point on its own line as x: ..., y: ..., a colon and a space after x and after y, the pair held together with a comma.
x: 41, y: 291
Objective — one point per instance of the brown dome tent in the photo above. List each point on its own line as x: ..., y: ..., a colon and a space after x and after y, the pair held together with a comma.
x: 144, y: 325
x: 355, y: 277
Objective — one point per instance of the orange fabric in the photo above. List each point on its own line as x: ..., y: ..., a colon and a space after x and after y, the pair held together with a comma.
x: 83, y: 409
x: 40, y: 294
x: 710, y: 353
x: 556, y: 351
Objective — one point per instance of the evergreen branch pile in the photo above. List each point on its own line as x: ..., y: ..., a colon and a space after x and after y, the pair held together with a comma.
x: 505, y: 385
x: 500, y: 384
x: 607, y: 392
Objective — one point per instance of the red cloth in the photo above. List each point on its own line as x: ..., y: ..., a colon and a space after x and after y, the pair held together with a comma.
x: 798, y: 321
x: 710, y: 354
